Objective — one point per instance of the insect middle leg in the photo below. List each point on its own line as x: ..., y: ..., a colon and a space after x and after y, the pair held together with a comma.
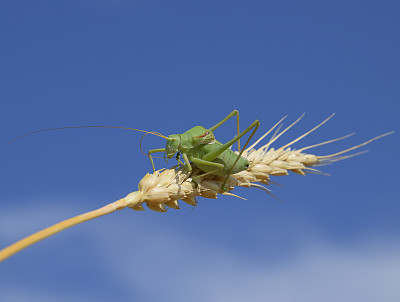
x: 178, y: 158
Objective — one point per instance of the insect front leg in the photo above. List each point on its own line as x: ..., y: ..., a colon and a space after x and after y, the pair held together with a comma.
x: 187, y: 162
x: 233, y: 113
x: 151, y: 158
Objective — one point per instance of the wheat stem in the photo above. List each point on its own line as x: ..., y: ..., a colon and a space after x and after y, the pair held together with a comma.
x: 58, y: 227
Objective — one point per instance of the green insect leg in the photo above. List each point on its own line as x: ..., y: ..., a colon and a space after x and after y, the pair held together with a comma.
x: 187, y: 162
x: 217, y: 167
x: 151, y: 158
x: 178, y: 158
x: 213, y: 155
x: 233, y: 113
x: 254, y: 125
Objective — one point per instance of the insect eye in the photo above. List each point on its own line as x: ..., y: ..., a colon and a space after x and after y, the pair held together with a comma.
x: 247, y: 165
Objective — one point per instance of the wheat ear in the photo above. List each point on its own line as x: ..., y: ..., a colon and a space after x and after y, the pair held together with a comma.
x: 163, y: 189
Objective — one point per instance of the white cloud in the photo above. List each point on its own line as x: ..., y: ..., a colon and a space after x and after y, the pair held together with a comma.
x: 159, y: 262
x: 180, y: 268
x: 21, y: 294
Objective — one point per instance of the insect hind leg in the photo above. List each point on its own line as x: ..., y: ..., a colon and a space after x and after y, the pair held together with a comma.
x: 253, y: 126
x: 233, y: 113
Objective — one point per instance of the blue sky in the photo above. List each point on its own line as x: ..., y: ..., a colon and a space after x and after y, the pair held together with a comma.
x: 168, y: 66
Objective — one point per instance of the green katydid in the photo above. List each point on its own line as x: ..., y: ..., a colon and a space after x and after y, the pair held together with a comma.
x: 199, y: 147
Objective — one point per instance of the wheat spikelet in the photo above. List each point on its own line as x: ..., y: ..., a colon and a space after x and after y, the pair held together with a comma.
x: 162, y: 189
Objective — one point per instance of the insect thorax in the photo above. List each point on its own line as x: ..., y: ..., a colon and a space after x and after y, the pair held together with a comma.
x: 196, y: 136
x: 188, y: 140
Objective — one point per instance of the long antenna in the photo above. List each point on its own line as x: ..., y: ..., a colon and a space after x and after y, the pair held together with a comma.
x: 73, y: 127
x: 140, y: 146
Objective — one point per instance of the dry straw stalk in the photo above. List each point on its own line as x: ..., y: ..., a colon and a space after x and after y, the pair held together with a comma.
x: 162, y: 189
